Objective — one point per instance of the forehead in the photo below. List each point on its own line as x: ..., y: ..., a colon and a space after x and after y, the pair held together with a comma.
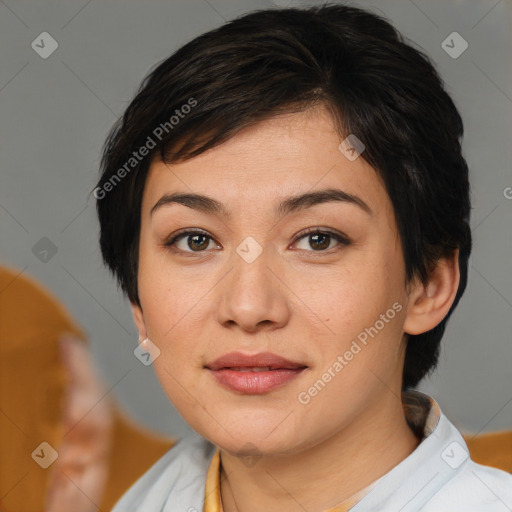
x: 263, y: 164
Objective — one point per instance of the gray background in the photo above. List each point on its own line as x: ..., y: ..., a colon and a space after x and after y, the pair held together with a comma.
x: 55, y: 113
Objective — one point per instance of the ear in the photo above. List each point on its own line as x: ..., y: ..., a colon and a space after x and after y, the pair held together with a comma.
x: 429, y: 303
x: 138, y: 318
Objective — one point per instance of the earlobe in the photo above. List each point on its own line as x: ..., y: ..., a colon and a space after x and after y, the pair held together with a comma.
x: 430, y: 302
x: 138, y: 318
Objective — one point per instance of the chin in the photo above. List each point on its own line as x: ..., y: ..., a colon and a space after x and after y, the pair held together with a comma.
x: 249, y: 438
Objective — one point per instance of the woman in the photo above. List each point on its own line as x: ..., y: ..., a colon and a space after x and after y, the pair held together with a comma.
x: 286, y: 206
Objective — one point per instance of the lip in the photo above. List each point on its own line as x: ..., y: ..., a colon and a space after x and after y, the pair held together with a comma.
x: 262, y: 359
x: 228, y: 371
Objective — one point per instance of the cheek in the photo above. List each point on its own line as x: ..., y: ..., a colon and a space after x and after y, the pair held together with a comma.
x: 175, y: 314
x: 351, y: 297
x: 169, y: 295
x: 361, y: 309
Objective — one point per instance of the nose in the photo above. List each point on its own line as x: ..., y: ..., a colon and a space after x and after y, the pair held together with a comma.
x: 253, y: 296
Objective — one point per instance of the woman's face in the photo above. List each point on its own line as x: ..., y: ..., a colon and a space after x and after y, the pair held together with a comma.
x: 257, y: 278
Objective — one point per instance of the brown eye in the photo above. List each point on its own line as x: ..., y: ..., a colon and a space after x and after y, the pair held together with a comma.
x: 194, y: 241
x: 198, y: 242
x: 320, y: 241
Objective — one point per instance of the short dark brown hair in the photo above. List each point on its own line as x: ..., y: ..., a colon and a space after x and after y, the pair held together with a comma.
x: 268, y: 62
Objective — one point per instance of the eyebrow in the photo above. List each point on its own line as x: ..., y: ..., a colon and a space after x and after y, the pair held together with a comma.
x: 289, y: 205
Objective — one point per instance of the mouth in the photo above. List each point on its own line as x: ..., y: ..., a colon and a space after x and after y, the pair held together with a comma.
x: 254, y: 374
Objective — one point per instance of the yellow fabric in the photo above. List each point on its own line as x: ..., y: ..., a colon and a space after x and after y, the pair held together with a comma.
x: 212, y: 500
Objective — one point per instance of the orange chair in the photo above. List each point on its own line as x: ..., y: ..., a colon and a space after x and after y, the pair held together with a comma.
x: 50, y: 394
x: 492, y: 449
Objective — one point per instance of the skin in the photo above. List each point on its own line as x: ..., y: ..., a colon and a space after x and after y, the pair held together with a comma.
x: 304, y: 304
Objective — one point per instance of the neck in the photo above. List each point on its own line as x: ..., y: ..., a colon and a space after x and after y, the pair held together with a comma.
x: 335, y: 469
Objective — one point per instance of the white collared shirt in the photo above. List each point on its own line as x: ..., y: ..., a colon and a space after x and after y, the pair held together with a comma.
x: 438, y: 476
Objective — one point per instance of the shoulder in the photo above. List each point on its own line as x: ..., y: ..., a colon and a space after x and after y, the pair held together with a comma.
x: 180, y: 471
x: 440, y: 476
x: 475, y: 488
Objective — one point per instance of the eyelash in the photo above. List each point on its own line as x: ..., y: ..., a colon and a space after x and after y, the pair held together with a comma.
x: 342, y: 239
